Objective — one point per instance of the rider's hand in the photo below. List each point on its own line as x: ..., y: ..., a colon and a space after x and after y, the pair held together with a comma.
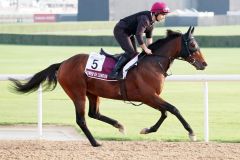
x: 148, y: 51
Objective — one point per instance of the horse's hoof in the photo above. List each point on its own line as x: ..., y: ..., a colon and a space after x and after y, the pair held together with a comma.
x: 96, y: 145
x: 192, y: 137
x: 122, y: 130
x: 144, y: 131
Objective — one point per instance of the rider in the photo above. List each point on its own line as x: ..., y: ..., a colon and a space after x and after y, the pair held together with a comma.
x: 136, y: 25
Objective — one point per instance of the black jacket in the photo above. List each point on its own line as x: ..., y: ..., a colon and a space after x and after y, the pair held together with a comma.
x: 137, y: 24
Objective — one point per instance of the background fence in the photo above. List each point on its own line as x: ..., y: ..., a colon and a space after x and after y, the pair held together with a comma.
x: 181, y: 78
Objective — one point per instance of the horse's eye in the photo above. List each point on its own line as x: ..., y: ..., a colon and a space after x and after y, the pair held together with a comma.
x: 193, y: 45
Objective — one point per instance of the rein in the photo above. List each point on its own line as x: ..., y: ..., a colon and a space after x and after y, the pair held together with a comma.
x: 164, y: 72
x: 123, y: 89
x: 161, y: 66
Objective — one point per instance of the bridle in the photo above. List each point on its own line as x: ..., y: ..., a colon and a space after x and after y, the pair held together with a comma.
x: 187, y: 51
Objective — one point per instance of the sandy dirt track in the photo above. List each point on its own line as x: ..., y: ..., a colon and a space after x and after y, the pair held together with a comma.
x: 117, y: 150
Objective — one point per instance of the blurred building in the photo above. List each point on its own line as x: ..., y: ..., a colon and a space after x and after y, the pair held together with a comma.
x: 184, y: 12
x: 38, y: 6
x: 29, y: 11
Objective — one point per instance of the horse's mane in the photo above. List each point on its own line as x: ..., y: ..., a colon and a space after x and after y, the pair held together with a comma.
x: 169, y: 35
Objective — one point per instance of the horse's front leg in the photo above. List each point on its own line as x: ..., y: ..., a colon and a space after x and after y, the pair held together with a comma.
x: 172, y: 109
x: 164, y: 106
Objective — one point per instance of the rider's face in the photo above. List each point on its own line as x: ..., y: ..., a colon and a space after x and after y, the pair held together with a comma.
x: 161, y: 17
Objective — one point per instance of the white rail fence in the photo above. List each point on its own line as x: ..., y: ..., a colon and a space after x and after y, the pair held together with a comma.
x: 177, y: 78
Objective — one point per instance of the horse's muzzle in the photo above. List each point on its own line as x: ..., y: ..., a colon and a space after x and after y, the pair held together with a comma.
x: 200, y: 65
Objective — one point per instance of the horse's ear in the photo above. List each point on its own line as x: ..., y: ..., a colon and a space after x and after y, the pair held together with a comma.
x: 192, y: 30
x: 189, y: 30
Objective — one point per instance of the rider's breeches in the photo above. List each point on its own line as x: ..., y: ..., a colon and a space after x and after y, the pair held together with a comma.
x: 126, y: 42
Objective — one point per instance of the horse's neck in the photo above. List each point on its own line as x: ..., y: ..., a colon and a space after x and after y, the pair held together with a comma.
x: 169, y: 50
x: 167, y: 53
x: 165, y: 62
x: 160, y: 62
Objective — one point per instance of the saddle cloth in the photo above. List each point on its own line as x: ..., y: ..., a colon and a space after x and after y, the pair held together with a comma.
x: 99, y: 66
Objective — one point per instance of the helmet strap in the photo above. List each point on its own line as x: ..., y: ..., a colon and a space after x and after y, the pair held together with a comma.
x: 156, y: 15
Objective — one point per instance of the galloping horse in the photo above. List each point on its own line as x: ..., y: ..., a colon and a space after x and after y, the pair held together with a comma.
x: 144, y: 83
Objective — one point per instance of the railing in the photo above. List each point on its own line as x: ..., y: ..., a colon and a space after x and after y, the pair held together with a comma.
x: 5, y: 77
x: 182, y: 78
x: 205, y: 79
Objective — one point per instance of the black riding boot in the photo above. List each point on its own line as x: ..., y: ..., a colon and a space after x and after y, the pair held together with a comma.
x: 122, y: 61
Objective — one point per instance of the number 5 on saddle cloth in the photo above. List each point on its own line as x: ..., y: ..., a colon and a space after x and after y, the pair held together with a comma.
x: 100, y: 65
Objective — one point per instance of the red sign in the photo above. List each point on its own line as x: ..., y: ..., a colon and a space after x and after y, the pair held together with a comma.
x: 44, y: 18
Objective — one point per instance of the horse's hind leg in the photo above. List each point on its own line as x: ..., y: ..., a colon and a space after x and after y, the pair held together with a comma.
x: 80, y: 119
x: 94, y: 112
x: 78, y: 97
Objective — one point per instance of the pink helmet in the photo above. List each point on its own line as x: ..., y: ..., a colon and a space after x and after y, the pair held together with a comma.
x: 160, y: 7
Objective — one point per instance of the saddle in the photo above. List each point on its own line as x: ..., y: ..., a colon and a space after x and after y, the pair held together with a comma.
x: 115, y: 56
x: 100, y: 65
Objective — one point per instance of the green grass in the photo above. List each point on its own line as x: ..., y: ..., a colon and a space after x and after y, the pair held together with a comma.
x: 224, y: 99
x: 103, y: 28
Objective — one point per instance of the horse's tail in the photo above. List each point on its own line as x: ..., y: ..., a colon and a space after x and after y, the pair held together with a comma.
x: 48, y: 75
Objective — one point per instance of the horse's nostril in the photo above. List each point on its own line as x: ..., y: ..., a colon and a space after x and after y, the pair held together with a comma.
x: 204, y: 64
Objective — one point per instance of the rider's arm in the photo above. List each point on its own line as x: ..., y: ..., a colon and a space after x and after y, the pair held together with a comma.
x: 148, y: 32
x: 142, y: 25
x: 149, y: 41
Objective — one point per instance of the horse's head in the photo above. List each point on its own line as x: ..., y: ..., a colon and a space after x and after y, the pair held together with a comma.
x: 190, y: 50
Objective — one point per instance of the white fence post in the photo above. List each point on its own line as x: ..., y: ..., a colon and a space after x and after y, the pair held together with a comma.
x: 5, y: 77
x: 40, y: 111
x: 206, y: 127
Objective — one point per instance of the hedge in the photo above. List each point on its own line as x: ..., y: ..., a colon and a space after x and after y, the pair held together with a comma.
x: 26, y: 39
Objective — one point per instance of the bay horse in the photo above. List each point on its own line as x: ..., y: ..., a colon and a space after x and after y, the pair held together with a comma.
x: 144, y: 83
